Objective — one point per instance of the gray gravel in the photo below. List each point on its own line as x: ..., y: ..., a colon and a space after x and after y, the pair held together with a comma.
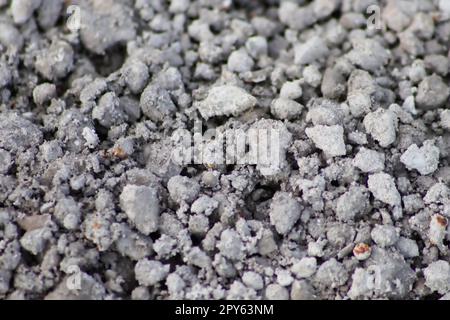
x: 96, y: 97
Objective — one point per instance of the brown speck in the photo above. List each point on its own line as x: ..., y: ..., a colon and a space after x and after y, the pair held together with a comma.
x: 361, y: 248
x: 441, y: 220
x: 119, y: 153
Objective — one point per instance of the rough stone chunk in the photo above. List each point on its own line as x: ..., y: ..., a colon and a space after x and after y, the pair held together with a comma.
x: 156, y: 103
x: 383, y: 188
x: 295, y: 17
x: 10, y: 37
x: 68, y: 213
x: 34, y: 241
x: 108, y: 111
x: 384, y: 235
x: 407, y: 247
x: 437, y: 276
x: 141, y: 205
x: 386, y: 275
x: 136, y: 75
x: 424, y: 159
x: 433, y: 93
x: 331, y: 274
x: 445, y: 119
x: 239, y: 61
x: 284, y: 212
x: 105, y: 24
x: 183, y: 189
x: 291, y: 90
x: 369, y: 161
x: 368, y: 54
x: 6, y: 161
x: 352, y: 204
x: 253, y: 280
x: 230, y: 245
x: 305, y: 268
x: 333, y: 83
x: 18, y: 133
x: 49, y: 12
x: 226, y: 100
x: 22, y: 10
x: 285, y: 108
x: 149, y: 273
x: 55, y: 62
x: 312, y: 50
x: 382, y: 125
x: 43, y: 93
x: 276, y: 292
x: 330, y: 139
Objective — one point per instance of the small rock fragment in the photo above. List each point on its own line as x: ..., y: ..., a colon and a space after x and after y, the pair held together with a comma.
x: 276, y: 292
x: 432, y: 93
x: 369, y: 161
x: 286, y: 109
x: 43, y: 93
x: 22, y: 10
x: 230, y: 245
x: 331, y: 274
x: 150, y: 272
x: 226, y: 101
x: 284, y: 212
x: 141, y: 205
x: 305, y: 268
x: 437, y: 276
x: 352, y: 204
x: 383, y: 188
x: 183, y: 189
x: 239, y: 61
x: 382, y: 125
x: 330, y: 139
x: 424, y: 159
x: 312, y: 50
x: 384, y: 235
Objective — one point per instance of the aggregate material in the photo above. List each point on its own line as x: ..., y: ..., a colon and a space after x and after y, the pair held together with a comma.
x: 95, y: 96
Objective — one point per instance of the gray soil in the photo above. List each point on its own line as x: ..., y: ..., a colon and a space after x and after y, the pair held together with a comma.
x: 92, y: 205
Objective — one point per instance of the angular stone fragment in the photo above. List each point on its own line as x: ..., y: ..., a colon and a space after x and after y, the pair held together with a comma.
x: 369, y: 161
x: 382, y: 125
x: 312, y: 50
x: 105, y: 24
x: 230, y: 245
x: 183, y: 189
x: 384, y: 235
x: 149, y: 272
x: 141, y: 205
x: 18, y: 133
x: 352, y: 204
x: 383, y: 188
x: 284, y: 212
x: 226, y: 100
x: 22, y: 10
x: 330, y: 139
x: 424, y: 159
x: 285, y: 108
x: 432, y: 93
x: 437, y: 276
x: 368, y: 54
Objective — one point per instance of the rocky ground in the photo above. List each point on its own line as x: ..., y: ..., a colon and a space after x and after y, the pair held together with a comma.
x: 93, y: 205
